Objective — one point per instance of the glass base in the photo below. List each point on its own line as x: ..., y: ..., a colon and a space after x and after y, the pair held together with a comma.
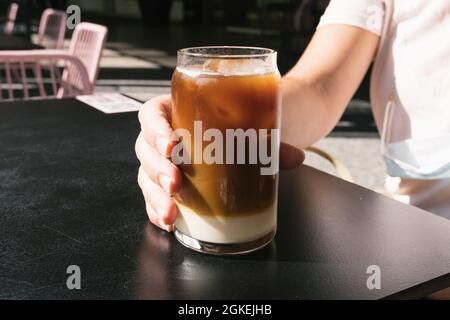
x: 223, y: 248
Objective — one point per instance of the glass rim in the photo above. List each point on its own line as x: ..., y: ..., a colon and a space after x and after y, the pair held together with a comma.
x: 190, y: 52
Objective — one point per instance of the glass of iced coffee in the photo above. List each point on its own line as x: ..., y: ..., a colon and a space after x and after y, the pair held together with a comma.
x: 226, y: 116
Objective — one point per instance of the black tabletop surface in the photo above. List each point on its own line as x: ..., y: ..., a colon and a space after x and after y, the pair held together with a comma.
x: 68, y: 196
x: 12, y: 42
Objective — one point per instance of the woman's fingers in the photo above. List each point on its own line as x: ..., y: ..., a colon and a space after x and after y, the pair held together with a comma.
x: 158, y: 177
x: 155, y: 117
x: 161, y: 208
x: 159, y: 169
x: 290, y: 156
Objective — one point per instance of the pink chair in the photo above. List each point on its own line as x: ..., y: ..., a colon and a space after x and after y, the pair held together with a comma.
x: 86, y: 44
x: 11, y: 18
x: 52, y: 28
x: 22, y: 75
x: 79, y: 67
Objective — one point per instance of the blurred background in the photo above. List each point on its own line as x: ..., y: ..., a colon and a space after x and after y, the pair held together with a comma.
x: 144, y: 35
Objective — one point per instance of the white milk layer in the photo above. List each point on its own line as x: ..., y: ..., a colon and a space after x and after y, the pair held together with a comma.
x: 220, y: 229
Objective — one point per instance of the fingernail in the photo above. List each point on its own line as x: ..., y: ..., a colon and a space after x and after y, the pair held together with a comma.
x: 165, y: 182
x: 162, y: 224
x: 161, y: 145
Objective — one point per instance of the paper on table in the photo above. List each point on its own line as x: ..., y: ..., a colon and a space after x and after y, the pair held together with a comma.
x: 110, y: 102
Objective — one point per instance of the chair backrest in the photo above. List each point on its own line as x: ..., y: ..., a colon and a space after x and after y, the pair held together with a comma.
x: 80, y: 67
x: 11, y: 18
x: 27, y: 74
x: 52, y: 28
x: 87, y: 44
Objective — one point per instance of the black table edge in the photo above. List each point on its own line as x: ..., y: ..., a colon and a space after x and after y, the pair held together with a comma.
x: 422, y: 290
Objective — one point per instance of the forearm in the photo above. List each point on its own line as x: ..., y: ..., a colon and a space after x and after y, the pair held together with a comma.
x: 304, y: 117
x: 318, y: 88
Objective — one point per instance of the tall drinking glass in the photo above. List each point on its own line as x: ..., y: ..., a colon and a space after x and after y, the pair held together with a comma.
x: 226, y: 114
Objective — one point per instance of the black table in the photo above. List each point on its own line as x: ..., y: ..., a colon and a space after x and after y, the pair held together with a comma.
x: 68, y: 196
x: 12, y: 42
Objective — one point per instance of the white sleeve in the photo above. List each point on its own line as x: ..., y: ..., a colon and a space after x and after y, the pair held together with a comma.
x: 366, y: 14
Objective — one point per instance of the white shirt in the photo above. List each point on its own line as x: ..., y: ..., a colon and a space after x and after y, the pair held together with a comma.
x: 413, y: 63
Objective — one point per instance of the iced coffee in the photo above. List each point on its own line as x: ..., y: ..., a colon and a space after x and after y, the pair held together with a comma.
x: 226, y: 114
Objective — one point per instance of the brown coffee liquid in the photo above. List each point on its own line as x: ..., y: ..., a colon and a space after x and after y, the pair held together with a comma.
x: 226, y: 102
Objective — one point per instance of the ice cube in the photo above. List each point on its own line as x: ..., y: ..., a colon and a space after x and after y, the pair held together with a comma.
x: 230, y: 67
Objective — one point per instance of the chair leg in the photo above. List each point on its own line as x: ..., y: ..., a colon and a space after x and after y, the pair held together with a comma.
x: 38, y: 75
